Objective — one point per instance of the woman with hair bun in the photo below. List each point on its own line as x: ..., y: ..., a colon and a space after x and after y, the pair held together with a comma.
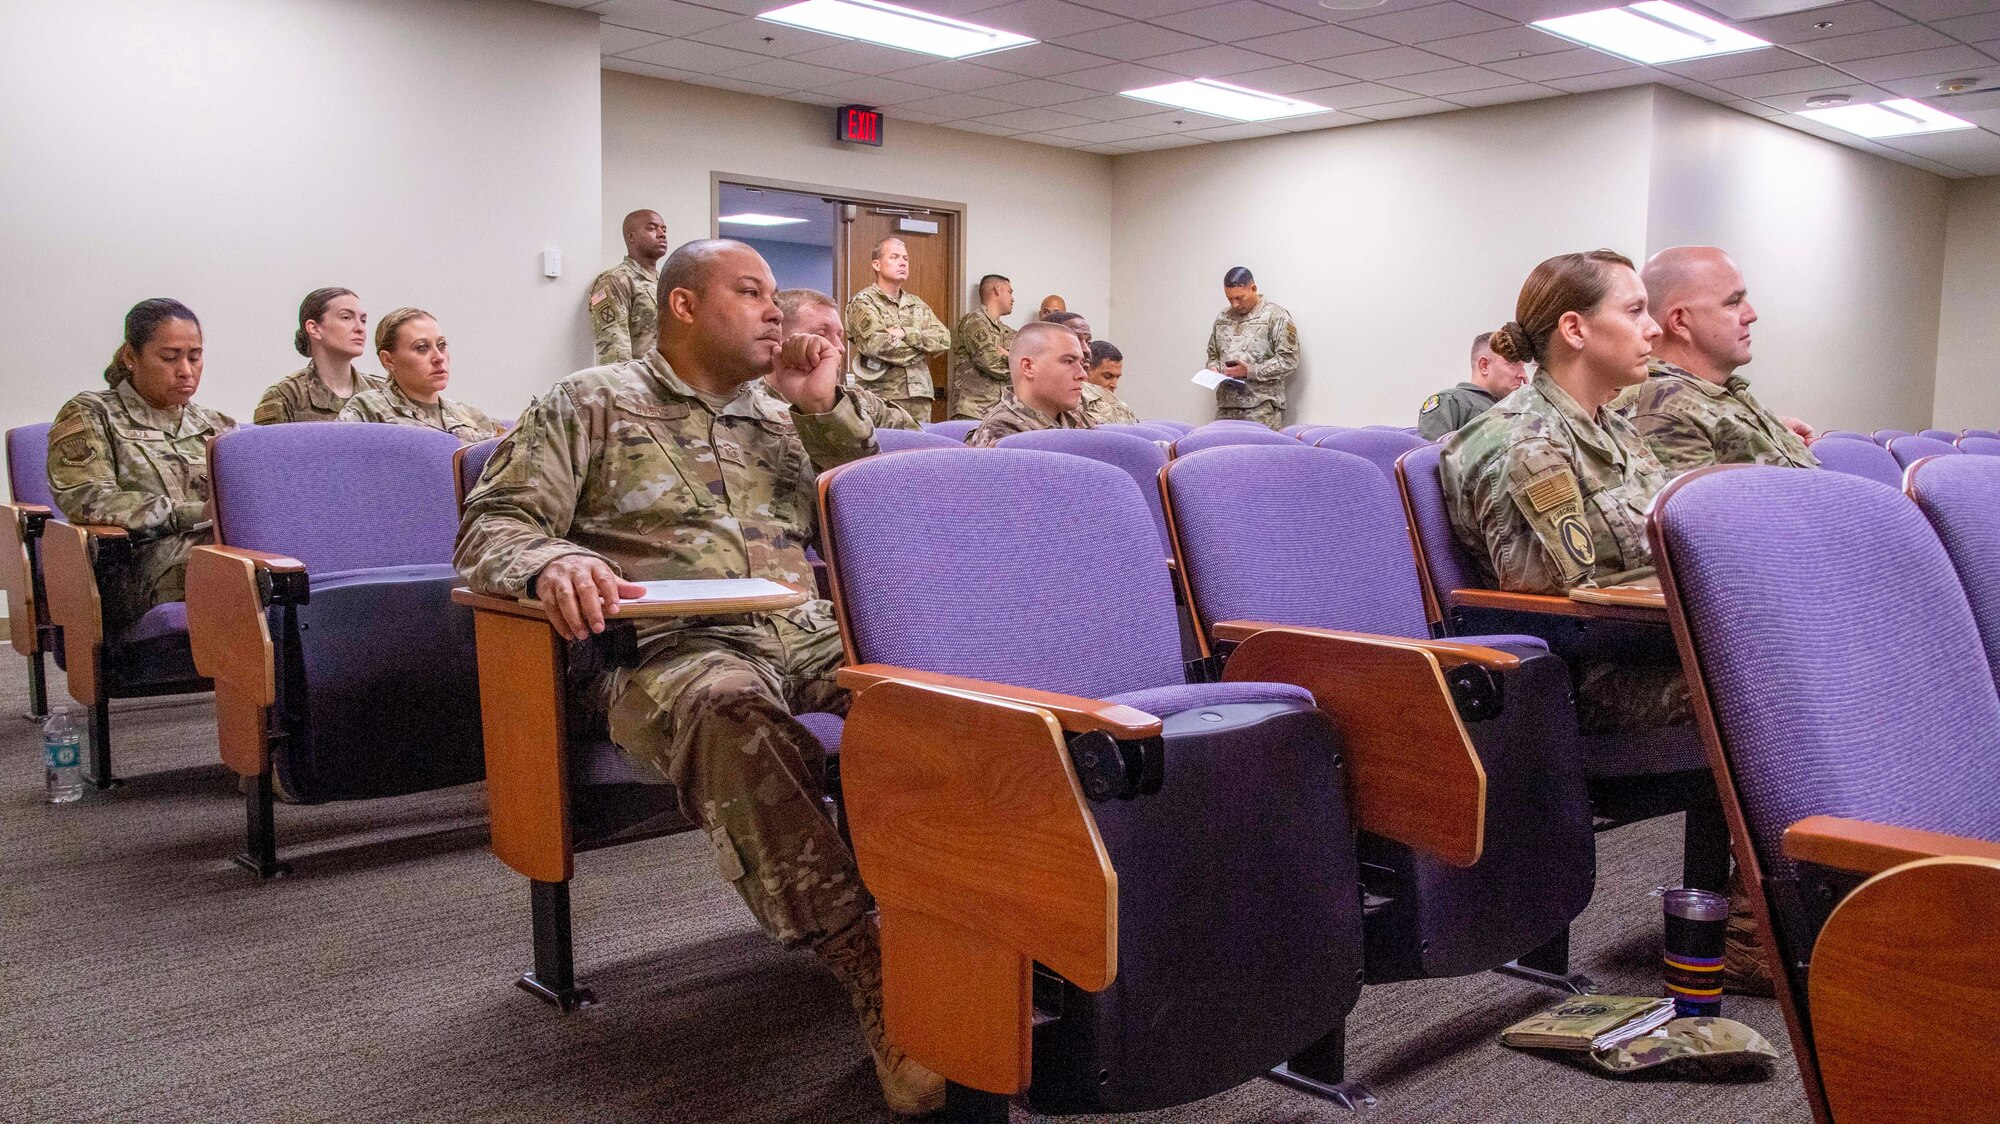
x: 1548, y: 489
x: 135, y: 456
x: 416, y: 357
x: 333, y: 332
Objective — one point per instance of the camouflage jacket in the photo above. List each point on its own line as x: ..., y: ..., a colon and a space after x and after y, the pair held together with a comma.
x: 978, y: 364
x: 302, y: 397
x: 1447, y: 411
x: 1103, y: 407
x: 1267, y: 341
x: 631, y: 464
x: 1015, y: 416
x: 894, y: 368
x: 1692, y: 423
x: 116, y: 459
x: 625, y: 312
x: 880, y: 413
x: 391, y: 405
x: 1546, y: 497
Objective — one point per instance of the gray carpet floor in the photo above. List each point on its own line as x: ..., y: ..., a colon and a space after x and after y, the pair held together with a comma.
x: 145, y: 978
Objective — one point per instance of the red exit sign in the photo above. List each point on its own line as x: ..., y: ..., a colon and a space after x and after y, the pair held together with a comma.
x: 859, y: 124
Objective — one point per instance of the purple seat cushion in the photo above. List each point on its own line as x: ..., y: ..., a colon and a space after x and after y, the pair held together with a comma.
x: 1138, y: 457
x: 473, y: 464
x: 1983, y: 446
x: 1862, y: 458
x: 1164, y: 702
x: 1943, y: 435
x: 1884, y: 436
x: 1910, y: 450
x: 1450, y: 568
x: 28, y: 466
x: 159, y: 622
x: 1961, y: 498
x: 825, y: 727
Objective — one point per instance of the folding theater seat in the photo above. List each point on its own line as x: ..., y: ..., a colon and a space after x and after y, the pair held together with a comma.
x: 1165, y: 423
x: 1845, y: 433
x: 1152, y: 431
x: 1992, y: 435
x: 1944, y: 435
x: 1139, y: 458
x: 1851, y: 713
x: 1313, y: 433
x: 1313, y: 539
x: 1378, y: 446
x: 1633, y: 776
x: 1909, y: 450
x: 956, y: 428
x: 1983, y: 446
x: 323, y: 613
x: 1216, y: 434
x: 32, y: 504
x: 1859, y: 457
x: 1045, y: 808
x: 1960, y: 496
x: 1882, y: 437
x: 900, y: 440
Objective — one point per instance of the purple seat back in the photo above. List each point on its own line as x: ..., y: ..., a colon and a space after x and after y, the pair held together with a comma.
x: 1296, y: 535
x: 1981, y: 446
x: 1211, y: 437
x: 957, y: 429
x: 1943, y: 435
x: 1062, y: 583
x: 1845, y: 670
x: 1295, y: 429
x: 1164, y: 423
x: 1313, y: 433
x: 28, y: 465
x: 1137, y: 456
x: 1445, y: 561
x: 338, y: 497
x: 1987, y: 433
x: 1859, y: 457
x: 903, y: 440
x: 1909, y: 450
x: 472, y: 463
x: 1142, y: 431
x: 1961, y: 498
x: 1379, y: 446
x: 1846, y: 433
x: 1882, y: 437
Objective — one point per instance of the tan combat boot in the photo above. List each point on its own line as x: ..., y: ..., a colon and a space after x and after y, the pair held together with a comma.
x: 1743, y: 969
x: 855, y: 955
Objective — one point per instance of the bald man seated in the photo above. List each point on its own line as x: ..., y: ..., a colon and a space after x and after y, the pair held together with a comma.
x: 624, y: 300
x: 813, y: 313
x: 1046, y: 371
x: 1694, y: 409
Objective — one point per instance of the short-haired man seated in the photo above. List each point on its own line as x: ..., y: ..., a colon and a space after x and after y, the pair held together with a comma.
x: 1694, y: 410
x: 672, y: 466
x: 813, y: 313
x: 1046, y: 391
x: 1492, y: 378
x: 1101, y: 403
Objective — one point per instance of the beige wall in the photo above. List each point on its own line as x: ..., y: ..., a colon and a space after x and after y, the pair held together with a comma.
x: 1843, y: 253
x: 1037, y: 214
x: 236, y: 154
x: 1392, y: 244
x: 1968, y: 393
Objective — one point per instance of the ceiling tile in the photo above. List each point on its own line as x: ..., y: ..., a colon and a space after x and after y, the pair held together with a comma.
x: 1289, y: 79
x: 1802, y: 27
x: 1105, y: 149
x: 1432, y: 21
x: 1394, y: 109
x: 662, y: 17
x: 869, y: 89
x: 1335, y: 15
x: 1926, y: 86
x: 1739, y: 65
x: 1395, y: 62
x: 615, y: 40
x: 954, y: 75
x: 1236, y: 21
x: 684, y: 54
x: 1044, y: 19
x: 1039, y: 92
x: 1312, y: 122
x: 812, y: 97
x: 1039, y: 60
x: 1493, y: 46
x: 865, y: 58
x: 1177, y: 121
x: 1244, y: 130
x: 759, y: 37
x: 1144, y: 9
x: 1528, y: 11
x: 786, y: 74
x: 1315, y: 43
x: 1573, y: 63
x: 1858, y: 93
x: 1035, y: 120
x: 1131, y: 41
x: 1217, y: 60
x: 1152, y: 144
x: 761, y: 89
x: 1931, y: 10
x: 1102, y: 132
x: 955, y: 107
x: 1501, y: 95
x: 1120, y: 76
x: 1447, y: 82
x: 1051, y: 140
x: 1353, y: 95
x: 1961, y: 104
x: 1875, y: 44
x: 1784, y: 82
x: 1915, y: 63
x: 1617, y: 79
x: 982, y: 127
x: 649, y: 70
x: 1972, y: 29
x: 1956, y: 148
x: 1754, y: 108
x: 1110, y: 107
x: 1705, y: 91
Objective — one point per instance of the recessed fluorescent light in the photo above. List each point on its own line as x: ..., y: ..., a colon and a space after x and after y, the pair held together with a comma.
x: 1652, y: 32
x: 752, y: 218
x: 894, y: 26
x: 1220, y: 99
x: 1901, y: 117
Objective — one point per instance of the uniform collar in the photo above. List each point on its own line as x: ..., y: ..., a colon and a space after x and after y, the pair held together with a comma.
x: 749, y: 402
x: 1010, y: 399
x: 883, y: 295
x: 1660, y: 368
x: 1583, y: 428
x: 174, y: 423
x: 1479, y: 390
x: 635, y: 263
x: 321, y: 395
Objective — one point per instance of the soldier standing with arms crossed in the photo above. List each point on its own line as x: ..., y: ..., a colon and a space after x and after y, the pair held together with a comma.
x: 893, y: 334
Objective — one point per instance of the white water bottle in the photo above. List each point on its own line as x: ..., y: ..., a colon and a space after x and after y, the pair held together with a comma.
x: 62, y: 756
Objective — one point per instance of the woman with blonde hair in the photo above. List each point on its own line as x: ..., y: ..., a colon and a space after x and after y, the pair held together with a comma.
x: 417, y: 358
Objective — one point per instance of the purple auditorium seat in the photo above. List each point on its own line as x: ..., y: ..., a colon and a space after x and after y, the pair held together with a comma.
x: 1882, y: 437
x: 1225, y: 967
x: 1910, y: 450
x: 1961, y: 498
x: 1859, y: 457
x: 1144, y: 431
x: 1378, y: 445
x: 1980, y: 446
x: 470, y: 463
x: 28, y: 484
x: 1943, y: 435
x: 1315, y: 538
x: 957, y: 429
x: 1313, y: 433
x: 1176, y: 426
x: 1845, y: 433
x: 1218, y: 434
x: 903, y: 440
x: 1294, y: 430
x: 1141, y: 459
x: 1993, y: 435
x: 27, y: 466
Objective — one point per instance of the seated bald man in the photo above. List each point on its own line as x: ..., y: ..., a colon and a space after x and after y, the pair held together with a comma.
x: 673, y: 466
x: 811, y: 312
x: 1694, y: 409
x: 1046, y: 369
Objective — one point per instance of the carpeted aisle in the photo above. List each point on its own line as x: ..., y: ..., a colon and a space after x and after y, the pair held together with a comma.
x: 146, y: 978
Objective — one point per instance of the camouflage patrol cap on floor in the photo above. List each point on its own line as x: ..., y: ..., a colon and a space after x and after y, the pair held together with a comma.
x: 1693, y: 1048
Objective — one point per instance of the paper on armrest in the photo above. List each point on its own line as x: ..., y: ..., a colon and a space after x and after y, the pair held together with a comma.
x: 1212, y: 379
x: 713, y: 589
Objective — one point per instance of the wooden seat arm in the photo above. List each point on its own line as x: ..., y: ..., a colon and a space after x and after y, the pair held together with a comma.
x: 1413, y: 775
x: 1076, y: 715
x: 1870, y: 848
x: 31, y: 516
x: 1548, y: 605
x: 231, y: 637
x: 974, y: 836
x: 69, y: 581
x: 1449, y: 653
x: 17, y: 578
x: 523, y: 704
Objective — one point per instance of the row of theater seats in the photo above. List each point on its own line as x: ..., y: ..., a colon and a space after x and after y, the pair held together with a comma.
x: 1373, y: 803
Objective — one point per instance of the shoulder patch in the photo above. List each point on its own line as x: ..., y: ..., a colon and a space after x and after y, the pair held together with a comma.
x: 1430, y: 404
x: 599, y: 295
x: 1553, y: 490
x: 1576, y: 539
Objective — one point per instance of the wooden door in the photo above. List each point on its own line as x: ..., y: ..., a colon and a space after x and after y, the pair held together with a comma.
x: 933, y: 272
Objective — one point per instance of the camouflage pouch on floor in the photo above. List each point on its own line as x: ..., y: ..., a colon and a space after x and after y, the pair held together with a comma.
x: 1697, y: 1048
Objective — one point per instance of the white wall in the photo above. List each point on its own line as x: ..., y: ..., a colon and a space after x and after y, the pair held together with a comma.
x: 1843, y: 253
x: 1040, y: 215
x: 236, y: 154
x: 1392, y: 244
x: 1968, y: 393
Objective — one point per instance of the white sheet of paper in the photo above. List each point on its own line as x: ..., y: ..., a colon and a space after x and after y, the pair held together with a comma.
x: 1212, y: 379
x: 667, y: 593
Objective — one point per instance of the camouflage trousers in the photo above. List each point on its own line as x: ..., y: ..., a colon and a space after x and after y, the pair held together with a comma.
x: 1268, y: 414
x: 1626, y: 698
x: 711, y: 711
x: 156, y: 575
x: 919, y: 409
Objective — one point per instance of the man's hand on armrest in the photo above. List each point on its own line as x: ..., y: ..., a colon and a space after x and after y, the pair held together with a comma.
x: 578, y: 591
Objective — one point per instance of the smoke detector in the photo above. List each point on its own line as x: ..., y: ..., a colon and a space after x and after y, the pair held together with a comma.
x: 1959, y: 85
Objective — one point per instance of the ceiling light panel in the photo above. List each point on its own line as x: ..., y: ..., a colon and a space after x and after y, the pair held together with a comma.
x: 894, y: 26
x: 1651, y: 33
x: 1220, y: 99
x: 1901, y: 117
x: 752, y: 218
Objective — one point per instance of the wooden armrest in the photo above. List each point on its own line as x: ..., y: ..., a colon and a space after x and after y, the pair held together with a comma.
x: 1450, y: 653
x: 261, y: 559
x: 521, y: 713
x: 17, y: 579
x: 32, y: 516
x: 102, y: 531
x: 69, y: 581
x: 1548, y: 605
x: 1076, y: 715
x: 1870, y: 848
x: 633, y: 610
x: 231, y: 638
x: 973, y: 834
x: 1412, y: 772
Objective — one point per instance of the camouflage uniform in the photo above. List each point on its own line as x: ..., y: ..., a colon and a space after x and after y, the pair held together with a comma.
x: 978, y: 364
x: 1102, y: 407
x: 880, y: 414
x: 897, y: 369
x: 116, y: 459
x: 1267, y: 341
x: 1547, y: 499
x: 302, y: 397
x: 625, y: 311
x: 1015, y: 416
x: 1447, y: 411
x: 630, y: 464
x: 1692, y: 423
x: 391, y: 405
